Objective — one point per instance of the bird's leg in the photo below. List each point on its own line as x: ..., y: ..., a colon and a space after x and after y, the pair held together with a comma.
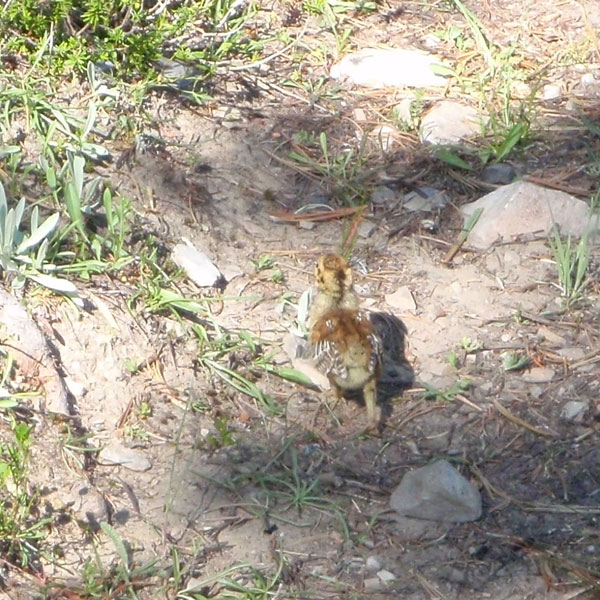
x: 370, y: 395
x: 338, y: 394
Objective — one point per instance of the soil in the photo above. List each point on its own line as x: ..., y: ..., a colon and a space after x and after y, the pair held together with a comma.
x: 286, y: 483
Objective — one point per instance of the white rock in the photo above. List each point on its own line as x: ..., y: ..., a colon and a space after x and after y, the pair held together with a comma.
x: 119, y: 455
x: 197, y: 266
x: 450, y: 122
x: 521, y: 209
x: 551, y: 91
x: 386, y: 576
x: 432, y: 41
x: 437, y: 492
x: 380, y: 68
x: 384, y: 136
x: 402, y: 299
x: 551, y: 336
x: 75, y: 387
x: 588, y: 79
x: 403, y: 111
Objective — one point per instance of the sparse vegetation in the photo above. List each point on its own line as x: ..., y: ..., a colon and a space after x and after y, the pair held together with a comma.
x: 572, y: 264
x: 88, y: 92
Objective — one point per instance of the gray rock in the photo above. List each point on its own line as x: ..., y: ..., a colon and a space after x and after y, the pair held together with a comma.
x: 383, y: 196
x: 115, y: 454
x: 378, y: 68
x: 426, y: 199
x: 525, y: 209
x: 366, y: 229
x: 402, y: 299
x: 374, y: 584
x: 572, y: 353
x: 88, y: 504
x: 500, y: 174
x: 31, y: 352
x: 574, y: 411
x: 450, y: 122
x: 373, y: 564
x: 437, y: 492
x: 538, y: 375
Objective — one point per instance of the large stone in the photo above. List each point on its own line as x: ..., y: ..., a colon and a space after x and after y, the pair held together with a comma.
x: 523, y: 209
x: 380, y: 68
x: 115, y: 454
x: 450, y: 122
x: 437, y: 492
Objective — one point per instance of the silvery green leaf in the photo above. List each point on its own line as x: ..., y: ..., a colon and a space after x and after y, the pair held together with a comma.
x: 3, y: 205
x: 40, y: 257
x: 76, y: 166
x: 89, y: 122
x: 303, y: 306
x: 39, y: 234
x: 19, y: 210
x: 8, y: 150
x: 95, y: 151
x: 35, y: 219
x: 64, y: 286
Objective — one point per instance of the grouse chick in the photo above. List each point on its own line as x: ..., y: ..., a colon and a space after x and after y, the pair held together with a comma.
x: 334, y: 283
x: 347, y: 350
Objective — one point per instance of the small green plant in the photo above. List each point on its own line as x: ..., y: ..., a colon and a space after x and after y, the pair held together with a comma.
x: 75, y: 447
x: 343, y: 171
x: 126, y: 37
x: 21, y: 530
x: 145, y: 410
x: 136, y: 432
x: 448, y: 395
x: 285, y: 484
x: 25, y: 255
x: 469, y: 345
x: 453, y: 360
x: 224, y: 436
x: 123, y: 580
x: 277, y: 276
x: 263, y: 263
x: 515, y: 361
x: 571, y: 263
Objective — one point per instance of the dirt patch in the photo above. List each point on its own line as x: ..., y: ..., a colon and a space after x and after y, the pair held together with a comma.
x: 281, y: 480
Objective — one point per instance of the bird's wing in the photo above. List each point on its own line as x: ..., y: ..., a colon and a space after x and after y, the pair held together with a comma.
x: 328, y: 359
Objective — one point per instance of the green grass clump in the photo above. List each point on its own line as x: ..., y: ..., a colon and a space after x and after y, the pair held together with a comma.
x: 21, y: 527
x: 130, y: 35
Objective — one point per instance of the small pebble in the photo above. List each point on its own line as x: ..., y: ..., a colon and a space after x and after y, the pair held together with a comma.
x: 374, y: 584
x: 538, y: 375
x: 385, y: 576
x: 373, y: 564
x: 574, y: 411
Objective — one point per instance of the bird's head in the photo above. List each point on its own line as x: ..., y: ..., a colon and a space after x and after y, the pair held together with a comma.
x: 333, y: 275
